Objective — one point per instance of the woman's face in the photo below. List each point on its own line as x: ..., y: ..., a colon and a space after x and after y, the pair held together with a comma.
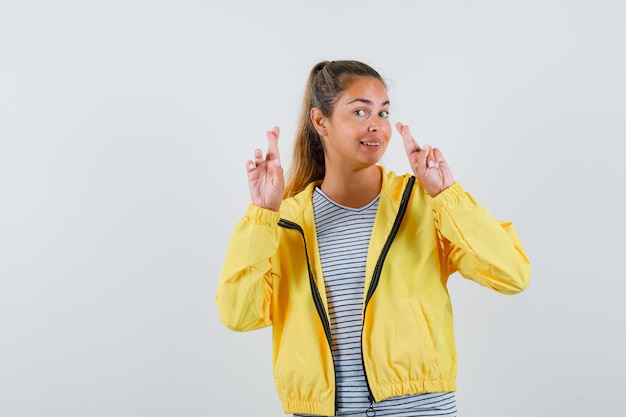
x: 358, y: 130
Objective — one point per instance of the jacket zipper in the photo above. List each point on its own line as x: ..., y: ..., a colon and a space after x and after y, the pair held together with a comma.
x: 376, y: 277
x: 317, y: 299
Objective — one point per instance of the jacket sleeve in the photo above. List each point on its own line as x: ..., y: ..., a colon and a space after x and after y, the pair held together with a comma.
x: 479, y: 247
x: 245, y: 288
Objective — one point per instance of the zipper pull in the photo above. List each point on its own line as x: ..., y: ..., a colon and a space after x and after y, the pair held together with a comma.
x: 370, y: 412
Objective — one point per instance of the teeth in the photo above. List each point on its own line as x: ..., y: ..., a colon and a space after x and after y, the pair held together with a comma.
x: 371, y: 143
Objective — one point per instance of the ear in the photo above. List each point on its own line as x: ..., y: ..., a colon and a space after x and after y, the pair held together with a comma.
x: 319, y: 121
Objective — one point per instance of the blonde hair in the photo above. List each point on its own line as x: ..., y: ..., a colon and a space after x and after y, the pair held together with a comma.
x: 325, y: 84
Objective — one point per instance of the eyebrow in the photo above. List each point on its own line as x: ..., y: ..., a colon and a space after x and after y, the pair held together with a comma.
x: 366, y: 101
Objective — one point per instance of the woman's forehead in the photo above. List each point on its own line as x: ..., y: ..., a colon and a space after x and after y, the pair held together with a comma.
x: 365, y: 89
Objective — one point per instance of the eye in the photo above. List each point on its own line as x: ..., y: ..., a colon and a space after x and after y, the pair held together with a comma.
x: 384, y: 114
x: 360, y: 113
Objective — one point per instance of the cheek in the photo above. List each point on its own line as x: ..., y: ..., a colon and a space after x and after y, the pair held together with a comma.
x: 387, y: 129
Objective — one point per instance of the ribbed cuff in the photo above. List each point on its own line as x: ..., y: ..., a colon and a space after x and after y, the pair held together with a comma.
x: 449, y: 195
x: 262, y: 216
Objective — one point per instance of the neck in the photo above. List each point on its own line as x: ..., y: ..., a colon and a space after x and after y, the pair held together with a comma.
x: 353, y: 188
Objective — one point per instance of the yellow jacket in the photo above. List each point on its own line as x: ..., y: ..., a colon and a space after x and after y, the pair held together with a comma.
x: 272, y: 275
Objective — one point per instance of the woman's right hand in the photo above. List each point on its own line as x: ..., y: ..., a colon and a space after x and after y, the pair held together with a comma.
x: 265, y: 175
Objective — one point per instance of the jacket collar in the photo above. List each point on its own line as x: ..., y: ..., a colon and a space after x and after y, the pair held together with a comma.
x: 299, y: 209
x: 392, y: 187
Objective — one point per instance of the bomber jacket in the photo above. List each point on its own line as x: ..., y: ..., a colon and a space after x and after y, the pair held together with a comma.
x: 272, y: 275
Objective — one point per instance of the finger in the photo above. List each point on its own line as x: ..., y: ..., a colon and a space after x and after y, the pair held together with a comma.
x: 250, y: 166
x: 418, y: 156
x: 438, y: 156
x: 445, y: 168
x: 258, y: 156
x: 429, y: 157
x: 431, y: 162
x: 272, y: 145
x: 410, y: 144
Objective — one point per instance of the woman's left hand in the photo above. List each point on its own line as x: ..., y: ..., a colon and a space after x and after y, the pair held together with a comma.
x: 427, y: 163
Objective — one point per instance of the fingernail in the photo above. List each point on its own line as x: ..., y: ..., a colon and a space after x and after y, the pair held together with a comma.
x: 251, y: 165
x: 277, y: 162
x: 431, y: 164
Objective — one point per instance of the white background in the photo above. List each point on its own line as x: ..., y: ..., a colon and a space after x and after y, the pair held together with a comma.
x: 125, y: 127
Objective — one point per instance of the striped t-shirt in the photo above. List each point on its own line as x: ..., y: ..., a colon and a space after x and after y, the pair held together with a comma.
x: 343, y: 236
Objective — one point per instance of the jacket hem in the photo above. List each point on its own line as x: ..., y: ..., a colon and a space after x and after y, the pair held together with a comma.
x: 397, y: 389
x: 320, y: 408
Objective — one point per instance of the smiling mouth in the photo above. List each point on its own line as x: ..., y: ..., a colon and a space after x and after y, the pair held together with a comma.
x: 370, y: 143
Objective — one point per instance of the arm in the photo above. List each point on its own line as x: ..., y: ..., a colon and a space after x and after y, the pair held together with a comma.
x: 473, y: 243
x: 245, y: 288
x: 479, y: 247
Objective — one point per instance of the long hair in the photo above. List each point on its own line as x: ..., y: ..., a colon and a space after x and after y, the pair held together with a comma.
x: 325, y: 84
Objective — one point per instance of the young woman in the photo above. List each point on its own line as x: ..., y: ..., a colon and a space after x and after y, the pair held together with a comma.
x: 349, y: 263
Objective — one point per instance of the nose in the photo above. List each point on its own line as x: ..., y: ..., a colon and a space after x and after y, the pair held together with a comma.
x: 375, y: 125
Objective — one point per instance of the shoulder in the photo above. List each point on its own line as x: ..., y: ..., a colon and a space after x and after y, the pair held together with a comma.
x: 292, y: 208
x: 394, y: 185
